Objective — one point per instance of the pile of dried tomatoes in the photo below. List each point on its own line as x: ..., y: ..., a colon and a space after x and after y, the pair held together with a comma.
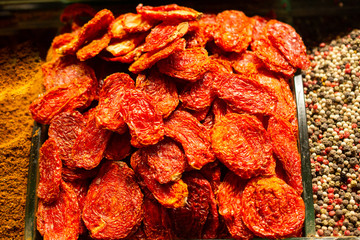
x: 169, y: 123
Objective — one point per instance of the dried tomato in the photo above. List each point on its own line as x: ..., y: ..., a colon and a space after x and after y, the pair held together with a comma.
x: 219, y: 63
x: 209, y: 121
x: 259, y: 24
x: 148, y: 59
x: 125, y: 45
x: 161, y: 89
x: 171, y: 12
x: 242, y: 144
x: 113, y: 206
x: 210, y: 230
x: 284, y: 145
x: 189, y: 64
x: 212, y: 172
x: 90, y: 144
x: 272, y: 57
x: 198, y: 95
x: 130, y: 57
x: 145, y: 124
x: 288, y: 42
x: 271, y: 208
x: 234, y: 31
x: 96, y: 27
x: 244, y: 94
x: 107, y: 115
x: 166, y: 160
x: 64, y: 70
x: 50, y: 172
x: 60, y: 219
x: 164, y: 34
x: 64, y: 129
x: 229, y: 199
x: 204, y: 33
x: 129, y: 23
x: 188, y: 221
x: 170, y: 195
x: 93, y: 48
x: 193, y: 136
x: 220, y: 109
x: 247, y: 64
x: 156, y: 221
x: 118, y: 147
x: 77, y: 94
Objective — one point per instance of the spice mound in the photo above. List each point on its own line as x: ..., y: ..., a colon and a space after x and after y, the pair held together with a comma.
x: 170, y: 123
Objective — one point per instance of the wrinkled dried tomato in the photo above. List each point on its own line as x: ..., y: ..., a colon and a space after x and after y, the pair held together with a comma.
x: 60, y: 219
x: 107, y: 115
x: 164, y: 34
x: 148, y: 59
x: 234, y: 31
x: 244, y: 94
x: 161, y: 89
x: 212, y: 172
x: 170, y: 195
x: 229, y: 200
x: 129, y: 23
x: 145, y: 124
x: 171, y: 12
x: 90, y: 144
x: 113, y: 206
x: 193, y: 136
x: 50, y: 172
x: 64, y: 129
x: 284, y: 144
x: 125, y: 45
x: 271, y: 208
x: 288, y: 42
x: 247, y: 64
x: 243, y: 145
x: 210, y: 230
x: 189, y: 64
x: 259, y: 23
x: 93, y: 48
x: 204, y: 33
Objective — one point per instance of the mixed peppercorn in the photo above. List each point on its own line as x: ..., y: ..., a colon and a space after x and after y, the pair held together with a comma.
x: 331, y: 86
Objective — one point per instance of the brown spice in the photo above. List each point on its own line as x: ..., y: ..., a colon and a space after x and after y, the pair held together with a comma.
x: 20, y: 84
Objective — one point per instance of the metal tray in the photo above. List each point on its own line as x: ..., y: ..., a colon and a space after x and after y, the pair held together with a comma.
x: 40, y: 135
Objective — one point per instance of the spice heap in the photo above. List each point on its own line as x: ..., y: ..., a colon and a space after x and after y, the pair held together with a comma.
x: 203, y: 144
x: 19, y: 86
x: 333, y: 111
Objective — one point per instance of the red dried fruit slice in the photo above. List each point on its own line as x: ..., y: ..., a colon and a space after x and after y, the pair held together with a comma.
x: 212, y: 172
x: 67, y: 97
x: 204, y: 33
x: 259, y: 24
x: 90, y: 144
x: 193, y: 136
x: 156, y: 221
x: 170, y: 195
x: 247, y: 64
x: 50, y: 172
x: 271, y: 57
x: 229, y: 202
x: 145, y: 124
x: 219, y: 108
x: 171, y: 12
x: 76, y: 11
x: 166, y: 160
x: 96, y: 27
x: 64, y: 129
x: 219, y: 63
x: 209, y: 121
x: 210, y: 230
x: 118, y: 147
x: 189, y: 64
x: 242, y: 144
x: 198, y: 95
x: 60, y: 219
x: 113, y: 206
x: 127, y: 58
x: 188, y: 221
x: 284, y: 145
x: 107, y: 111
x: 129, y: 23
x: 161, y: 89
x: 163, y: 34
x: 234, y: 31
x: 93, y: 48
x: 125, y: 45
x: 148, y: 59
x: 244, y: 94
x: 288, y: 42
x: 271, y: 208
x: 64, y: 70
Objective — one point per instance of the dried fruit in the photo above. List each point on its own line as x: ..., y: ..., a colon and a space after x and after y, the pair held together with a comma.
x: 93, y: 48
x: 170, y: 12
x: 271, y: 208
x: 129, y: 23
x: 113, y: 206
x: 118, y: 147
